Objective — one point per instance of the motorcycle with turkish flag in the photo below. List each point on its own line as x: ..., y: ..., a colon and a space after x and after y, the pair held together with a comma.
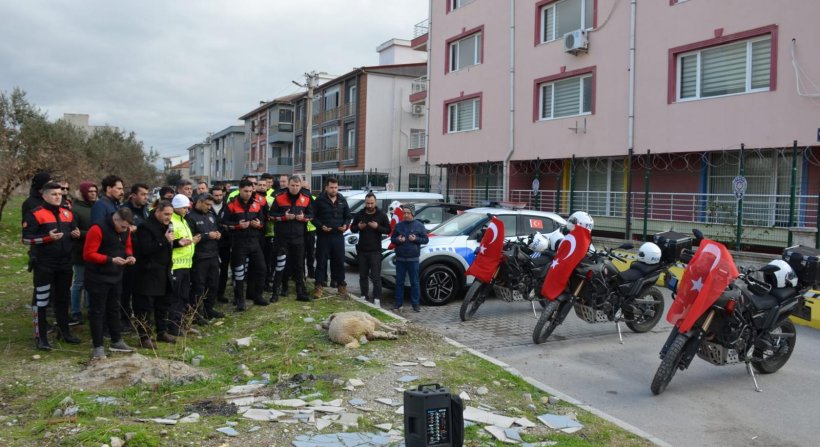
x: 727, y: 317
x: 511, y: 269
x: 588, y: 281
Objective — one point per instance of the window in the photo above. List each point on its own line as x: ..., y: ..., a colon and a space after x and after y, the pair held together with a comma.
x: 456, y: 4
x: 561, y: 17
x: 332, y: 99
x: 419, y: 183
x: 315, y: 141
x: 565, y: 97
x: 351, y: 94
x: 464, y: 115
x: 465, y: 52
x: 417, y: 138
x: 285, y: 115
x: 739, y: 67
x: 599, y: 187
x: 544, y: 225
x: 330, y: 137
x: 350, y: 136
x: 510, y: 224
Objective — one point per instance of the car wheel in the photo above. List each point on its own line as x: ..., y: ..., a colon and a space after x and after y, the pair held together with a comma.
x: 440, y: 284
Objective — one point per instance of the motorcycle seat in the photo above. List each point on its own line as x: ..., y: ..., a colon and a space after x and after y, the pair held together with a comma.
x: 639, y: 270
x: 773, y: 298
x: 542, y: 260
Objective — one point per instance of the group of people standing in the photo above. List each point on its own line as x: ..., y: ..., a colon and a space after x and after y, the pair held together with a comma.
x: 156, y: 267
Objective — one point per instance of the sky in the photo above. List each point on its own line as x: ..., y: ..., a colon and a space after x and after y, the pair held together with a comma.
x: 173, y: 70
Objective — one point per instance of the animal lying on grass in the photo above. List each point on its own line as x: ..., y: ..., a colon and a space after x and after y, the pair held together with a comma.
x: 354, y: 327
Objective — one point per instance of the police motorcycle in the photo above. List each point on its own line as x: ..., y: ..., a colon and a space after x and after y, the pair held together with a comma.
x: 524, y: 262
x: 600, y: 293
x: 746, y: 321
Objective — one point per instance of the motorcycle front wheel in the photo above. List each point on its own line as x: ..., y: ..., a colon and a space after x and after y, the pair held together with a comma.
x: 474, y: 299
x: 669, y: 365
x: 650, y: 305
x: 547, y: 322
x: 783, y: 339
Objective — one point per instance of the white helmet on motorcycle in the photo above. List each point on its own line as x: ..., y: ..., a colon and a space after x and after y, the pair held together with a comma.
x: 539, y: 243
x: 649, y: 253
x: 785, y: 276
x: 392, y: 207
x: 555, y: 239
x: 580, y: 218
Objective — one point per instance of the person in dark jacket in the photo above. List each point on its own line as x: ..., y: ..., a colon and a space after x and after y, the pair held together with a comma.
x: 138, y: 204
x: 109, y: 199
x: 331, y: 214
x: 82, y: 215
x: 50, y: 230
x: 106, y: 252
x: 205, y: 272
x: 290, y: 212
x: 152, y: 288
x: 219, y: 208
x: 35, y: 193
x: 408, y: 235
x: 245, y: 220
x: 371, y: 223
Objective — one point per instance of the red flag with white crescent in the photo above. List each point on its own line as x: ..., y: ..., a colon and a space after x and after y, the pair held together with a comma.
x: 571, y: 251
x: 398, y: 216
x: 489, y: 252
x: 704, y: 280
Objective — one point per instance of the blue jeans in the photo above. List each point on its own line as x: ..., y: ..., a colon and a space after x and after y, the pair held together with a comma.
x: 77, y: 287
x: 411, y: 269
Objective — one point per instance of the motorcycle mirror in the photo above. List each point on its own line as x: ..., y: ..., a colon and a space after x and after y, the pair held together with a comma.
x: 626, y: 246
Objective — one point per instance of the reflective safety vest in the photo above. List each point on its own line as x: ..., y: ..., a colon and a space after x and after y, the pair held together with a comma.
x: 182, y: 257
x: 269, y: 195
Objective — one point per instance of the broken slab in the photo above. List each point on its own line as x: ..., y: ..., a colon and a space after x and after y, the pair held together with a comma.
x: 245, y: 389
x: 498, y: 433
x: 355, y: 382
x: 406, y: 379
x: 292, y: 403
x: 348, y: 420
x: 385, y: 427
x: 258, y: 414
x: 464, y: 396
x: 561, y: 422
x: 429, y: 364
x: 524, y: 422
x: 322, y: 424
x: 485, y: 417
x: 229, y: 431
x: 191, y: 418
x: 329, y: 409
x: 243, y: 342
x: 406, y: 364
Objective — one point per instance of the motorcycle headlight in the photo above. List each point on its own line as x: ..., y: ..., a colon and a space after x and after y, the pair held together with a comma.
x: 353, y: 240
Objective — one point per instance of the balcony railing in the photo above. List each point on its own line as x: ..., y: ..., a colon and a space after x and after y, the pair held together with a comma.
x: 280, y: 161
x: 348, y: 153
x: 348, y: 109
x: 326, y: 155
x: 421, y: 28
x: 283, y: 127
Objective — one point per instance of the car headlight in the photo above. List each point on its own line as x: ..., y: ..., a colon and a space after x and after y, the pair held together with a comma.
x: 353, y: 240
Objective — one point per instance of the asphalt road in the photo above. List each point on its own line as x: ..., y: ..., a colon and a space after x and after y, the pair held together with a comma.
x: 704, y: 405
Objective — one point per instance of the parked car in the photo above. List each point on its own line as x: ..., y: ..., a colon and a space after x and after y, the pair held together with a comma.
x: 452, y: 249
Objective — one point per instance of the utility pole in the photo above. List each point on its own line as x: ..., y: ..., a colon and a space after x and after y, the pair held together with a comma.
x: 310, y: 84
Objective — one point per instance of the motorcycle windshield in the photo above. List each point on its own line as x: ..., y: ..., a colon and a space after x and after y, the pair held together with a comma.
x: 703, y: 281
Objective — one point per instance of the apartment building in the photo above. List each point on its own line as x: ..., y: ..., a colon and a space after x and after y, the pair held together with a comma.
x: 227, y: 154
x: 269, y: 137
x: 199, y: 156
x: 364, y: 127
x: 551, y: 90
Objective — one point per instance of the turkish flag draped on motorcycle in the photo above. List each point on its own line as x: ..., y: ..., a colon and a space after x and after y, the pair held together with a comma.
x: 398, y: 216
x: 705, y: 278
x: 571, y: 251
x: 489, y: 252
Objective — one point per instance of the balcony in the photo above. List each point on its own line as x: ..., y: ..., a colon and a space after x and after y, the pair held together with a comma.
x: 348, y: 110
x: 418, y: 90
x: 418, y: 143
x: 280, y: 133
x: 421, y: 33
x: 349, y: 155
x: 326, y: 156
x: 280, y: 165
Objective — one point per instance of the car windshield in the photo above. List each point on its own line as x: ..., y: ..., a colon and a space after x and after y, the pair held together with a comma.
x: 355, y: 204
x: 459, y: 225
x: 433, y: 214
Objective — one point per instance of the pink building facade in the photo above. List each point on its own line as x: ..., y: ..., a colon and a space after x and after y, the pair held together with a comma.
x: 512, y: 98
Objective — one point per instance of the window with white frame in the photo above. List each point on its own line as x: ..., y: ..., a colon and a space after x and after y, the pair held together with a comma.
x: 464, y: 115
x: 740, y: 67
x: 315, y: 141
x: 565, y: 97
x: 465, y: 52
x: 351, y: 94
x: 455, y: 4
x: 417, y: 138
x: 330, y: 137
x: 565, y: 16
x: 350, y: 136
x: 332, y: 98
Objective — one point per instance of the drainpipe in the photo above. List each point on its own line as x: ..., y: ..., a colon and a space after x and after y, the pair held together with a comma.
x: 506, y: 166
x: 630, y: 131
x: 427, y: 101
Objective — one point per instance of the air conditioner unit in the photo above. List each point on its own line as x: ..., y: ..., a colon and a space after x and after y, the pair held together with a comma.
x: 417, y: 109
x: 576, y: 41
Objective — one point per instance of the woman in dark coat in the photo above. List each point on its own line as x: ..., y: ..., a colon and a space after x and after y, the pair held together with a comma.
x: 152, y: 285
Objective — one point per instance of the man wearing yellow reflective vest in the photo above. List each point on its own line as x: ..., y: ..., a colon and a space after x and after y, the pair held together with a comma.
x: 182, y: 259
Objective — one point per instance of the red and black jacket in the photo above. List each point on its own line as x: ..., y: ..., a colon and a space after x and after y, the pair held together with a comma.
x: 284, y: 202
x: 45, y: 251
x: 102, y: 244
x: 238, y: 211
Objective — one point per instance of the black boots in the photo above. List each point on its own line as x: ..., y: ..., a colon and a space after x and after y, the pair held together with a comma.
x: 239, y: 295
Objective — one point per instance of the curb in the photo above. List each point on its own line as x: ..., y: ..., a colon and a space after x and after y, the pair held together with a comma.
x: 541, y: 386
